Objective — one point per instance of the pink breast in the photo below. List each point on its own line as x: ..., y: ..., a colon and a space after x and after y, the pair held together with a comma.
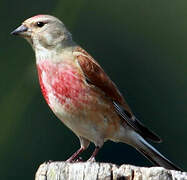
x: 64, y: 81
x: 42, y: 86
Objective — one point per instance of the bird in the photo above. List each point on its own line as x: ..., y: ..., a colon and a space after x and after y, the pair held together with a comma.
x: 81, y: 94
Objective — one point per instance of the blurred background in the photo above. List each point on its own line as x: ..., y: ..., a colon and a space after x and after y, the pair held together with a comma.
x: 141, y: 45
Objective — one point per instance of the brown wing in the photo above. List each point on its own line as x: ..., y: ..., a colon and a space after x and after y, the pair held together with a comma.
x: 96, y: 75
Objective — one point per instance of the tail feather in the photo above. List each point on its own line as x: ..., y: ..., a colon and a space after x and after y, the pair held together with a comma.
x: 154, y: 155
x: 136, y: 124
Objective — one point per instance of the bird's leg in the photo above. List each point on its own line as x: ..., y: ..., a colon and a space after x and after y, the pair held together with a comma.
x: 84, y: 144
x: 75, y: 155
x: 92, y: 158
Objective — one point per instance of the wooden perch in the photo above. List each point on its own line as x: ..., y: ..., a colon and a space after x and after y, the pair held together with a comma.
x: 104, y: 171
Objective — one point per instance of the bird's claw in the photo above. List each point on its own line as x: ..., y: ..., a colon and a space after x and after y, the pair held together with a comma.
x: 92, y: 159
x: 79, y: 159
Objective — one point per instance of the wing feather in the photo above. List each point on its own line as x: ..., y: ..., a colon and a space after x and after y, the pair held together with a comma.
x: 95, y: 75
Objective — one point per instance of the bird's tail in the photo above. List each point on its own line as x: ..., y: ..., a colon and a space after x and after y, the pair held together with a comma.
x: 153, y: 155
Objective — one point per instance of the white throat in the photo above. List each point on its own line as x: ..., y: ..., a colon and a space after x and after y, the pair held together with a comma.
x: 54, y: 55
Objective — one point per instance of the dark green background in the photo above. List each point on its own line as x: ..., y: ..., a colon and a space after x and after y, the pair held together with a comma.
x: 142, y: 46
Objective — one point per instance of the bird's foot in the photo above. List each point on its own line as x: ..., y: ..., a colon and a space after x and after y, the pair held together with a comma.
x: 70, y: 160
x: 79, y: 159
x: 92, y: 159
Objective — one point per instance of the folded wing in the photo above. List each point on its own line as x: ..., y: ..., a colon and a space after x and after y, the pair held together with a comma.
x: 96, y: 76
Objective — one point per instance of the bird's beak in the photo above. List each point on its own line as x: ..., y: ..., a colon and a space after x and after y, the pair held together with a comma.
x: 21, y: 30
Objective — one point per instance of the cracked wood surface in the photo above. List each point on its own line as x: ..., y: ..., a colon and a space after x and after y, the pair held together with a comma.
x: 104, y: 171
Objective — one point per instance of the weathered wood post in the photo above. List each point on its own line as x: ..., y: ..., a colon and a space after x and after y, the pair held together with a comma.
x: 104, y: 171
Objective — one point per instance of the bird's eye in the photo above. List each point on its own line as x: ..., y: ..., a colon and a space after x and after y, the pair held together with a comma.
x: 40, y: 24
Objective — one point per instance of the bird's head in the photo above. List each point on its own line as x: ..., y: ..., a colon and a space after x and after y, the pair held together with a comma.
x: 44, y: 31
